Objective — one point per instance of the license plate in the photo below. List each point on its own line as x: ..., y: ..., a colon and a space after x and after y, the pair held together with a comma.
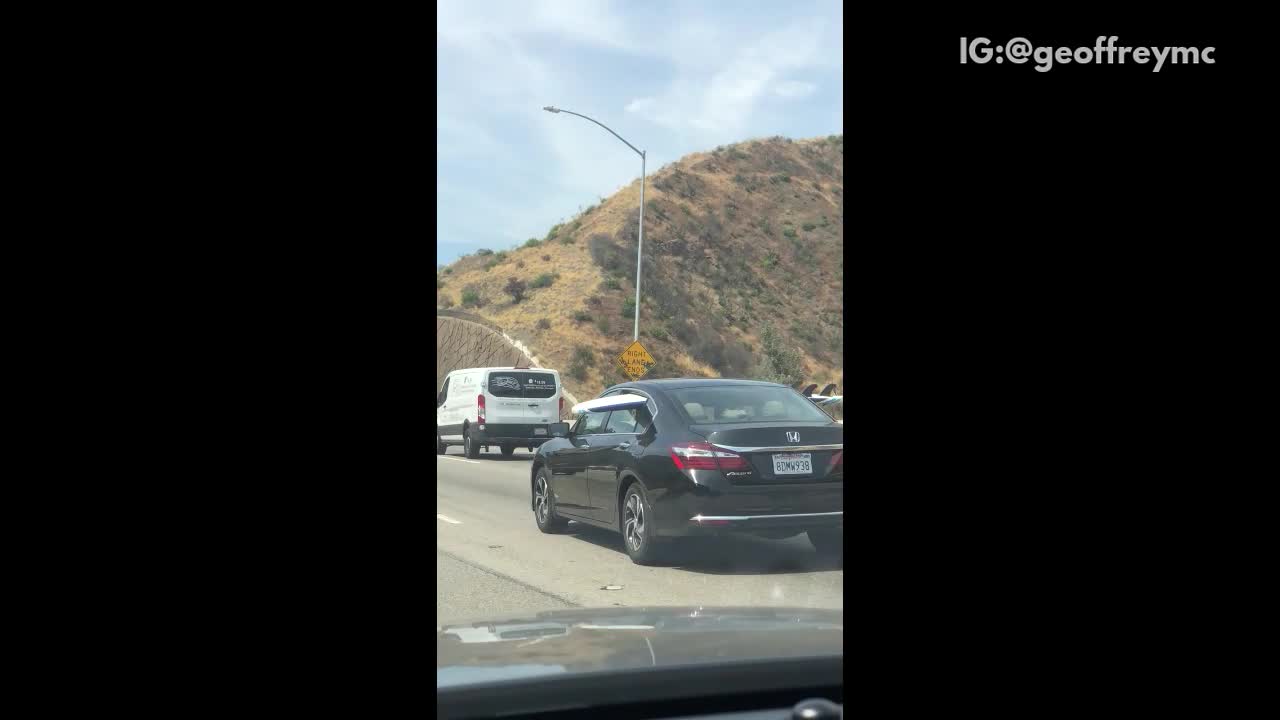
x: 793, y: 464
x: 539, y: 431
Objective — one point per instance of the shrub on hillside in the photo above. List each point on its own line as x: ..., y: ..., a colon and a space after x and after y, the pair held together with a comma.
x: 515, y: 288
x: 779, y: 362
x: 544, y: 324
x: 543, y: 280
x: 585, y: 355
x: 808, y: 227
x: 582, y: 316
x: 471, y: 296
x: 604, y: 252
x: 612, y: 283
x: 445, y: 302
x: 484, y: 251
x: 602, y: 324
x: 546, y: 257
x: 628, y: 308
x: 531, y: 242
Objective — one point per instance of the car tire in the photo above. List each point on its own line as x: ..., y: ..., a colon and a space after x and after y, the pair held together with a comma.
x: 441, y: 448
x: 471, y: 449
x: 829, y: 542
x: 544, y: 512
x: 637, y: 537
x: 508, y: 451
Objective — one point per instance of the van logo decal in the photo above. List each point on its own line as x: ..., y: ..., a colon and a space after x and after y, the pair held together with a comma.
x: 505, y: 381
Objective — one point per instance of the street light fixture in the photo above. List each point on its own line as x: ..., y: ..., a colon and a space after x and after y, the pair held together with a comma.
x: 640, y: 246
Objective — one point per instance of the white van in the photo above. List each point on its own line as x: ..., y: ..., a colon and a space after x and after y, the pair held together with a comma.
x: 503, y: 407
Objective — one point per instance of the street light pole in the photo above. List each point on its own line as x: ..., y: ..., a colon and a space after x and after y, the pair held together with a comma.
x: 639, y: 251
x: 640, y: 246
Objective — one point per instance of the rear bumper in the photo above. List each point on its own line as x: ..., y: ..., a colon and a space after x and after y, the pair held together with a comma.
x: 515, y: 434
x: 713, y: 505
x: 797, y: 522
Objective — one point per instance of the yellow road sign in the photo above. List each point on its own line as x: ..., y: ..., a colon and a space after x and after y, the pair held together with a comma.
x: 635, y: 361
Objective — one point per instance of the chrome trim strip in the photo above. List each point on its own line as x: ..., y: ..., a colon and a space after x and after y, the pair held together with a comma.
x: 700, y: 518
x: 786, y: 448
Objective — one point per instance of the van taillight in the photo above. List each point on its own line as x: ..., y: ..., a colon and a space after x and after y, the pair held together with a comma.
x: 480, y: 408
x: 705, y: 456
x: 561, y: 408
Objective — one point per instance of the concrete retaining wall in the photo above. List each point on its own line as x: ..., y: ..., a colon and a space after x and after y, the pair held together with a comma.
x: 466, y: 344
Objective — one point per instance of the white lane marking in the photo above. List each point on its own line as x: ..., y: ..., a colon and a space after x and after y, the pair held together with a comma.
x: 448, y: 519
x: 447, y: 457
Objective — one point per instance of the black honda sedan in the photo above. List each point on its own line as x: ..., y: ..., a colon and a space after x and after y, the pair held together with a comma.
x: 658, y: 460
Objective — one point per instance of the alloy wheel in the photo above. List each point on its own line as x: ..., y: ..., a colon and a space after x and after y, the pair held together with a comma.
x: 633, y: 522
x: 540, y: 499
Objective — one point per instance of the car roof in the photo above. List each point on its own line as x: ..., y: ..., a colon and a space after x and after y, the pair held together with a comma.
x: 680, y: 383
x: 505, y: 367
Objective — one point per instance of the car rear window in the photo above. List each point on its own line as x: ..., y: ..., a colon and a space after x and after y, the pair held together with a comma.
x: 745, y: 404
x: 522, y: 384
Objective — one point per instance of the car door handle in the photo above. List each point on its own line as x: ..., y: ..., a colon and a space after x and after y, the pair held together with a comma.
x: 624, y: 446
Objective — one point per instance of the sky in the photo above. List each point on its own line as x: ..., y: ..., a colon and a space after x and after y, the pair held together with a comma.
x: 672, y: 77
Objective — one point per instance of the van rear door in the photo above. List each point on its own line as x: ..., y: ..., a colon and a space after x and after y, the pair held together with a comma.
x: 541, y: 395
x: 523, y: 396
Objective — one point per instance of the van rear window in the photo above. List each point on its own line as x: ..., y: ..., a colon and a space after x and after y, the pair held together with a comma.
x: 522, y: 384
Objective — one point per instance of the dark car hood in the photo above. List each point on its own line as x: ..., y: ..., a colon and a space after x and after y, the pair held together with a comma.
x: 586, y: 640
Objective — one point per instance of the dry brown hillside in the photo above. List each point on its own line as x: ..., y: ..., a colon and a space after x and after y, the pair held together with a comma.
x: 733, y: 238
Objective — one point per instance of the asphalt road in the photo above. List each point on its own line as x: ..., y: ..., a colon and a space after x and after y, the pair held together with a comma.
x: 492, y: 561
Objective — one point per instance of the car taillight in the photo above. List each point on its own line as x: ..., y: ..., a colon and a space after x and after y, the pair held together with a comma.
x: 480, y: 408
x: 705, y: 456
x: 837, y: 463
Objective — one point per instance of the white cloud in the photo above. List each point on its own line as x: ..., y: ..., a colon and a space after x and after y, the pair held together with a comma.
x: 721, y: 103
x: 643, y: 104
x: 794, y: 89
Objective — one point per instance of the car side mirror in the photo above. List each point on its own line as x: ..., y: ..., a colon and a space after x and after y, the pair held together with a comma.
x: 559, y: 429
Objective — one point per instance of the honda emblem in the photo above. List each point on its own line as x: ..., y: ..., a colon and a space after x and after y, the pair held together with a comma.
x: 793, y: 437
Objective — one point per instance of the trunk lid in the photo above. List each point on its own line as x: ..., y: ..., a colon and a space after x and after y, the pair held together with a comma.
x: 759, y: 442
x: 771, y: 434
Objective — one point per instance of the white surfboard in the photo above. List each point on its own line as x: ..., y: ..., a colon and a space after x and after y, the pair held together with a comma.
x: 613, y: 402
